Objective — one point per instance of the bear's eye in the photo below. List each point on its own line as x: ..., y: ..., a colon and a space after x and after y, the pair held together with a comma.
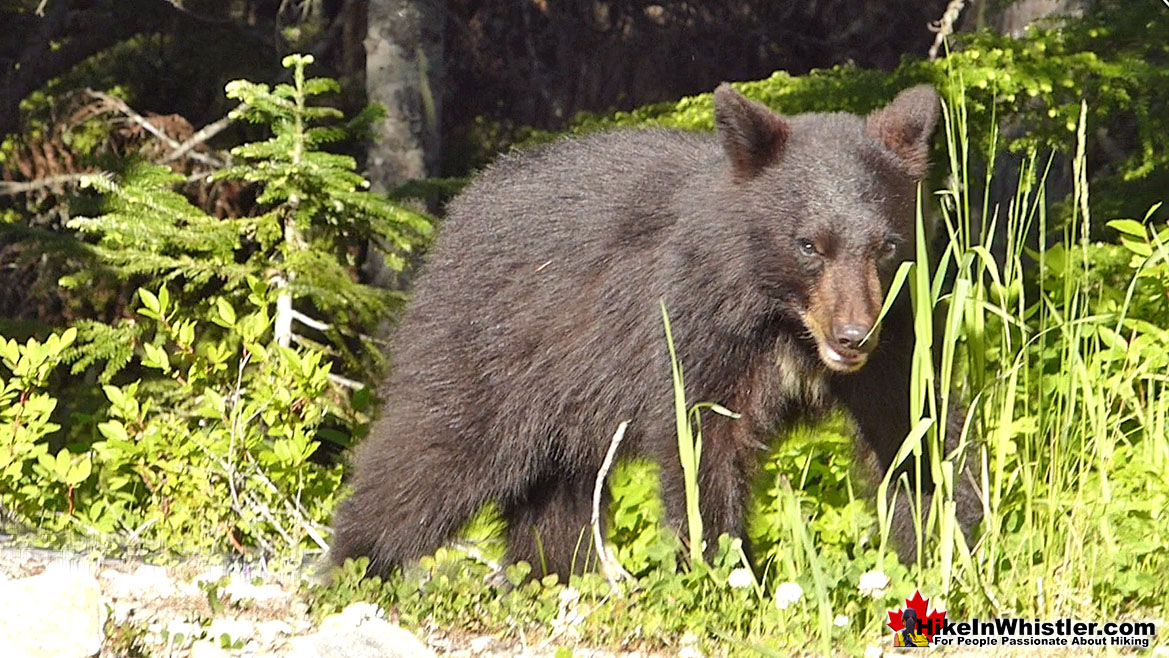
x: 889, y: 248
x: 807, y: 247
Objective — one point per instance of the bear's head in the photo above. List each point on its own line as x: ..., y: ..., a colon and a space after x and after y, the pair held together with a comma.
x: 828, y: 203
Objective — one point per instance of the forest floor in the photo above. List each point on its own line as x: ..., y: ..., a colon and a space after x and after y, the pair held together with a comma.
x: 198, y: 609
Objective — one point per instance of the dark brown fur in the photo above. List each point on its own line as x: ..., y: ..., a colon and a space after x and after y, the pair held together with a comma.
x: 535, y: 327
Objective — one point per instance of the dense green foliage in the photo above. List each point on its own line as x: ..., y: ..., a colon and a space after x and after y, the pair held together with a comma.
x: 315, y: 214
x: 209, y: 415
x: 219, y: 459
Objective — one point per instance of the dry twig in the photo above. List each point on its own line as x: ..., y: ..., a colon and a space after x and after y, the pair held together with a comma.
x: 121, y: 106
x: 945, y: 25
x: 609, y: 565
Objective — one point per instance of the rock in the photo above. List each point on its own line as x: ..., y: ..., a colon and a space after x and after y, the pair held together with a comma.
x: 132, y: 593
x: 358, y: 631
x: 57, y: 614
x: 242, y: 591
x: 689, y: 646
x: 481, y: 644
x: 181, y: 627
x: 146, y: 582
x: 269, y: 631
x: 234, y: 629
x: 354, y: 615
x: 207, y: 649
x: 123, y: 610
x: 212, y: 574
x: 374, y: 639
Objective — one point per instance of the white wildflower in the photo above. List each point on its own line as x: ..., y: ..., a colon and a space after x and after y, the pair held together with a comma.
x: 841, y: 621
x: 873, y: 583
x: 787, y: 594
x: 740, y: 578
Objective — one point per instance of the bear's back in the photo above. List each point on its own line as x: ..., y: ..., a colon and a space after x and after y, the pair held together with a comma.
x: 560, y: 198
x: 541, y: 276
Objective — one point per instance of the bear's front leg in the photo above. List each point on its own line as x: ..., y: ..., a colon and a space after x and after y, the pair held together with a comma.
x: 877, y: 397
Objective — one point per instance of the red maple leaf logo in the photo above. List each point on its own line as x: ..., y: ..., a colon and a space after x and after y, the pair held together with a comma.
x: 930, y: 623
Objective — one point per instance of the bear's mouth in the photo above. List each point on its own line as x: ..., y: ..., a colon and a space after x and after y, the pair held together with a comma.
x: 839, y: 358
x: 834, y: 354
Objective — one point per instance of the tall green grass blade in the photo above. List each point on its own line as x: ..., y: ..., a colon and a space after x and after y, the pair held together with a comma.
x: 689, y: 448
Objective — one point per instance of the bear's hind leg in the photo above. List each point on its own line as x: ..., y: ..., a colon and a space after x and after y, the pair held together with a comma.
x: 416, y: 483
x: 550, y: 527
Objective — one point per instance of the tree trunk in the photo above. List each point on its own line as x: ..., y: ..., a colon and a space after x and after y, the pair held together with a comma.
x: 403, y: 72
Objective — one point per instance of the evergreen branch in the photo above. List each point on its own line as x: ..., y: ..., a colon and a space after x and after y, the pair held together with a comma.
x: 308, y: 342
x: 128, y: 232
x: 315, y: 207
x: 195, y: 271
x: 98, y: 341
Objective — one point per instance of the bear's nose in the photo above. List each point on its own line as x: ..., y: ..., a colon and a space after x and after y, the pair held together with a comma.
x: 850, y: 335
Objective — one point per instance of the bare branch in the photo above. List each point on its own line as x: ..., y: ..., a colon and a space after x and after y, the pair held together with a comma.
x: 121, y: 106
x: 609, y: 564
x: 345, y: 381
x: 202, y: 135
x: 945, y: 25
x: 294, y: 508
x: 257, y: 505
x: 70, y: 32
x: 10, y: 188
x: 309, y: 322
x: 202, y: 18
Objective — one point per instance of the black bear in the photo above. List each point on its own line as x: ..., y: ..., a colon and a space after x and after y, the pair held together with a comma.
x: 535, y: 326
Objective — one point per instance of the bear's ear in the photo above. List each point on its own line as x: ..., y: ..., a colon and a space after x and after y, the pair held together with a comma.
x: 752, y: 135
x: 906, y: 125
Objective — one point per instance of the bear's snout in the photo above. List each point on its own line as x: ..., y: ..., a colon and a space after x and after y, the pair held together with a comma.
x: 851, y: 336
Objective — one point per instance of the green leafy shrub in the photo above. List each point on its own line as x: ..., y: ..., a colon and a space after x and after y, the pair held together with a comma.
x: 221, y: 462
x: 640, y: 539
x: 30, y: 473
x: 217, y: 390
x: 224, y: 463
